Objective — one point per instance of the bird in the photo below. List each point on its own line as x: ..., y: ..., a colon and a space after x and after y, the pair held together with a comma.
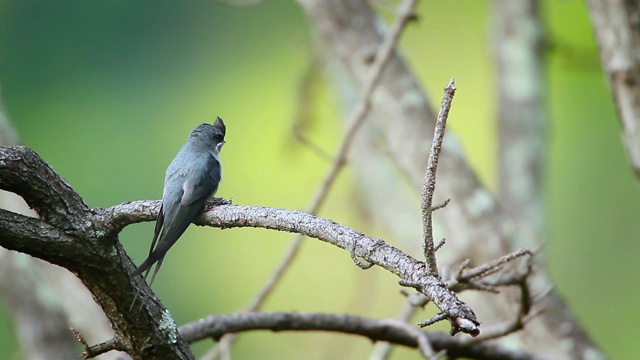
x: 192, y: 177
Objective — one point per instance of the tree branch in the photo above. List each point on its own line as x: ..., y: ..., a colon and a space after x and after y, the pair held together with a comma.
x: 376, y: 330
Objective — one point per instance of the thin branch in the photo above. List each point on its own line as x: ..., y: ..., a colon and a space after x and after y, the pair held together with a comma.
x: 495, y: 265
x: 376, y: 330
x: 525, y: 305
x: 429, y: 185
x: 466, y: 278
x: 442, y: 205
x: 99, y: 349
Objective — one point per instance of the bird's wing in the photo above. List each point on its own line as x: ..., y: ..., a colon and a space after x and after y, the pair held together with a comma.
x: 200, y: 183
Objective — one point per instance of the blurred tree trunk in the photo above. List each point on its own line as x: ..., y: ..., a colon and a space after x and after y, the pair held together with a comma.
x: 617, y: 27
x: 522, y: 118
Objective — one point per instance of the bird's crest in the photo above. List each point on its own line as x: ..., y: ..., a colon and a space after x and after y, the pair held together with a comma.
x: 219, y: 124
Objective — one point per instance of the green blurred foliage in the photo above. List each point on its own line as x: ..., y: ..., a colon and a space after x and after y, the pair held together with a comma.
x: 107, y: 91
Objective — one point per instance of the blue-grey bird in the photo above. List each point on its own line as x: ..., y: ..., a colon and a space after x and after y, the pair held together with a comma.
x: 191, y: 178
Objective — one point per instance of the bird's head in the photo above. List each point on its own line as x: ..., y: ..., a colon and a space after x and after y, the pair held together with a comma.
x: 210, y: 135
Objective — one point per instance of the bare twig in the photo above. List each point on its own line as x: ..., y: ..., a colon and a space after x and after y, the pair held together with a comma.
x: 429, y: 185
x: 442, y: 205
x: 99, y: 349
x: 466, y: 278
x: 493, y: 266
x: 405, y: 14
x: 424, y: 345
x: 525, y: 304
x: 433, y: 320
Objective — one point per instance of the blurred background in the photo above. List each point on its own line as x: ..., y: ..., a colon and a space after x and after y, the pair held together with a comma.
x: 108, y: 91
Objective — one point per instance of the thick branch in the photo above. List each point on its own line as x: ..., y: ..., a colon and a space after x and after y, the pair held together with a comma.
x: 24, y: 173
x: 34, y: 237
x: 376, y: 330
